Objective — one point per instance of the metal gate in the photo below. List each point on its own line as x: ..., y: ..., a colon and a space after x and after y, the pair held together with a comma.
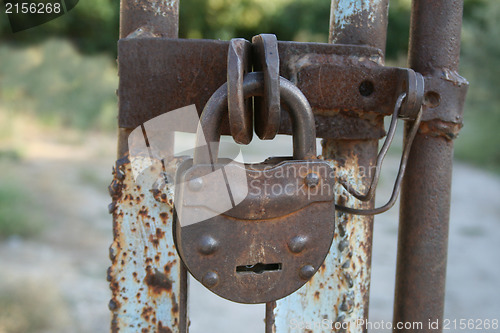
x: 148, y: 279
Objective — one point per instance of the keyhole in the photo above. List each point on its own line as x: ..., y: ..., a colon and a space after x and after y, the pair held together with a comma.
x: 258, y: 268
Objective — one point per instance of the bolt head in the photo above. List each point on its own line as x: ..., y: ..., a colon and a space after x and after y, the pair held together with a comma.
x: 195, y: 184
x: 297, y: 244
x: 210, y: 279
x: 306, y: 272
x: 312, y: 179
x: 208, y: 245
x: 343, y: 245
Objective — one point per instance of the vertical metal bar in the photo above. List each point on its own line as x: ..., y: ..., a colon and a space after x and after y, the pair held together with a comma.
x: 151, y: 18
x: 359, y: 22
x: 147, y: 278
x: 337, y: 296
x: 425, y: 197
x: 159, y: 17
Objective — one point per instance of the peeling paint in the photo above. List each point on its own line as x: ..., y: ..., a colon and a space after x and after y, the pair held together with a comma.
x: 145, y: 276
x: 359, y: 22
x: 346, y: 13
x: 157, y: 7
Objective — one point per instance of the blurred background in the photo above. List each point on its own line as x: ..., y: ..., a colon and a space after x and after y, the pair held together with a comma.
x: 58, y: 142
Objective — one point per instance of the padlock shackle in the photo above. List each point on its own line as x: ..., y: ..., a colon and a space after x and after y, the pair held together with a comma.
x: 299, y: 109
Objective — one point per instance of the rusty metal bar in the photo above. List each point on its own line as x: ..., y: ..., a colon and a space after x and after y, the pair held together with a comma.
x: 359, y: 22
x: 146, y: 18
x: 338, y: 293
x: 425, y: 199
x: 160, y: 18
x: 147, y: 278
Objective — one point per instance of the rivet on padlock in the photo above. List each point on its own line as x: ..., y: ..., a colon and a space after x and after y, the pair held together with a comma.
x: 237, y: 234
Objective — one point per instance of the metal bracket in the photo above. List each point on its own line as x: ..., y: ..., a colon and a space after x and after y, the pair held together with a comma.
x: 347, y: 86
x: 444, y: 97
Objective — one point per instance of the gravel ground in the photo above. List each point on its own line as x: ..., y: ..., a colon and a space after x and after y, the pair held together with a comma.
x: 66, y: 265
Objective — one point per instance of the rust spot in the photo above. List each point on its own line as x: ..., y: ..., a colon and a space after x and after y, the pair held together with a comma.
x: 155, y: 239
x: 147, y: 312
x: 114, y: 323
x: 167, y: 268
x: 447, y: 130
x: 144, y: 212
x: 113, y: 305
x: 164, y: 216
x: 316, y: 295
x: 175, y: 305
x: 157, y: 281
x: 160, y: 233
x: 163, y: 329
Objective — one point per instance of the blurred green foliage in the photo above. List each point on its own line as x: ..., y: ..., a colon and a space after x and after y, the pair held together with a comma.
x: 479, y: 140
x: 92, y: 25
x: 288, y: 19
x: 17, y: 211
x: 68, y: 89
x: 58, y: 85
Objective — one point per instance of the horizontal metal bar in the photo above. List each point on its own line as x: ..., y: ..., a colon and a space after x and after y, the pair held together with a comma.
x: 345, y: 84
x: 425, y: 194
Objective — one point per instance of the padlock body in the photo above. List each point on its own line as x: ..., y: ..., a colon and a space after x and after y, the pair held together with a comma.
x: 254, y: 233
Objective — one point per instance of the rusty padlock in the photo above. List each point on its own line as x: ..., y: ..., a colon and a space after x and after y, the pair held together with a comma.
x: 254, y: 233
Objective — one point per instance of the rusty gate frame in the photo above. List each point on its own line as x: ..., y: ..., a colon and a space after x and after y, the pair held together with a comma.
x: 148, y: 280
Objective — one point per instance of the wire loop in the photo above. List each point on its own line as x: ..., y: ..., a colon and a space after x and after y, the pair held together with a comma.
x: 380, y: 158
